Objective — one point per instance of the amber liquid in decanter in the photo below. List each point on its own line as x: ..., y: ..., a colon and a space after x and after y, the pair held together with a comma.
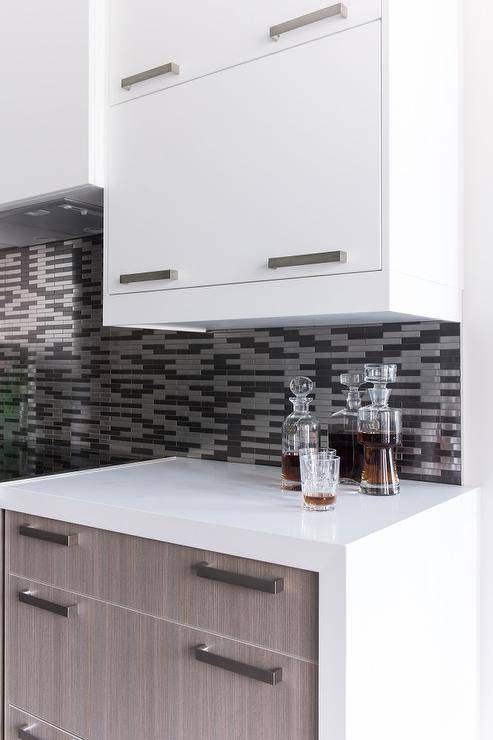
x: 290, y: 470
x: 379, y: 455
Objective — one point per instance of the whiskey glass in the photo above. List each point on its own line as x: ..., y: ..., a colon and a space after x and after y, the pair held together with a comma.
x: 319, y: 479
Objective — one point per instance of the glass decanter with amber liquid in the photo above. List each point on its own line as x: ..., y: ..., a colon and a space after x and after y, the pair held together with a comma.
x: 343, y: 431
x: 380, y: 433
x: 300, y: 430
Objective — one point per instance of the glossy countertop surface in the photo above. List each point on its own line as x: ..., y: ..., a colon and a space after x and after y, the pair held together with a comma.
x: 202, y: 503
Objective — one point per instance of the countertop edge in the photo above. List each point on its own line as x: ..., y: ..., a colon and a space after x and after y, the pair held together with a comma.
x: 232, y: 540
x: 248, y: 543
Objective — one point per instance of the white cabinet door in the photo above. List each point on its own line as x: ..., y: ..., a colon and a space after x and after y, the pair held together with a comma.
x: 276, y: 158
x: 202, y: 37
x: 44, y: 58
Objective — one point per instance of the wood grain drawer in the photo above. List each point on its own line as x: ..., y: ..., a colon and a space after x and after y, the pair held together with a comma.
x: 108, y: 673
x: 161, y: 579
x: 22, y: 726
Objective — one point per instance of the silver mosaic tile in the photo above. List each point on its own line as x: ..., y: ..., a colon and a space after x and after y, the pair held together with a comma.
x: 75, y: 394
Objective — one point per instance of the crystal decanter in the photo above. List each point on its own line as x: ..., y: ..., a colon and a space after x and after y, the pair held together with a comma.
x: 300, y: 430
x: 343, y: 431
x: 380, y: 433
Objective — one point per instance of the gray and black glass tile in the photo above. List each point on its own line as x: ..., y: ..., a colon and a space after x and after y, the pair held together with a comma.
x: 75, y: 394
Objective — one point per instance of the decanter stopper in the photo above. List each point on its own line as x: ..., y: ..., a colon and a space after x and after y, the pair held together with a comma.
x: 352, y: 380
x: 301, y: 386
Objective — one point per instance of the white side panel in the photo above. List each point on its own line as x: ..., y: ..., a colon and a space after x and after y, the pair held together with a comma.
x: 477, y: 347
x: 274, y: 158
x: 204, y: 37
x: 430, y: 299
x: 412, y: 628
x: 97, y: 78
x: 332, y: 638
x: 44, y: 129
x: 422, y: 107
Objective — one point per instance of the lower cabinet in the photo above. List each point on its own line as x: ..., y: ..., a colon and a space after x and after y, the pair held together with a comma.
x: 21, y: 726
x: 199, y: 588
x: 104, y: 672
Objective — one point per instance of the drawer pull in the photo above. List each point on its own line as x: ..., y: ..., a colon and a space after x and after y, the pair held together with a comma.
x: 269, y: 585
x: 26, y: 597
x: 318, y: 258
x: 23, y: 733
x: 26, y: 530
x: 164, y: 69
x: 305, y: 20
x: 142, y: 277
x: 272, y: 676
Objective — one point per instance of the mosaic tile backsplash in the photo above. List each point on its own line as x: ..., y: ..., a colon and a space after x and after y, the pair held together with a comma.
x: 75, y: 394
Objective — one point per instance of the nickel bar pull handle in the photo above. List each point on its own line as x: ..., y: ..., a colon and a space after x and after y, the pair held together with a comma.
x: 143, y: 277
x: 272, y: 677
x: 304, y: 20
x: 26, y: 597
x: 148, y: 74
x: 268, y: 585
x: 26, y: 530
x: 318, y: 258
x: 23, y: 733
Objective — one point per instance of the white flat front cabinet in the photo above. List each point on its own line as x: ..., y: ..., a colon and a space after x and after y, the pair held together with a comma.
x: 278, y: 157
x: 44, y: 58
x: 203, y: 37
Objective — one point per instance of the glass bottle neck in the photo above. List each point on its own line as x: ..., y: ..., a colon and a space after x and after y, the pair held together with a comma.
x: 379, y: 395
x: 353, y: 399
x: 300, y: 404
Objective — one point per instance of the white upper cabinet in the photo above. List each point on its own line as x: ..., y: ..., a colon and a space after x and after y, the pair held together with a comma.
x: 51, y: 97
x: 226, y: 172
x: 308, y: 180
x: 180, y: 41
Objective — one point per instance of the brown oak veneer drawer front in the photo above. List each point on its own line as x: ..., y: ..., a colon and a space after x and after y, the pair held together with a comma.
x: 109, y: 673
x: 276, y: 607
x: 50, y: 656
x: 21, y: 726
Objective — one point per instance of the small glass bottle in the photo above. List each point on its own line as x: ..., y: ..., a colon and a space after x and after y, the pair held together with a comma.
x: 380, y: 433
x: 300, y: 430
x: 343, y: 431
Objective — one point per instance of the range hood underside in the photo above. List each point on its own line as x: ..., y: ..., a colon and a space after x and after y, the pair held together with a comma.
x: 57, y: 217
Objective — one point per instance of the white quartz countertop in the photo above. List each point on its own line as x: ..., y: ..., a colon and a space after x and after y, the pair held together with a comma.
x: 228, y: 507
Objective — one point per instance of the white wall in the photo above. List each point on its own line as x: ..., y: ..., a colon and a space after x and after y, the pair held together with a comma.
x: 478, y: 308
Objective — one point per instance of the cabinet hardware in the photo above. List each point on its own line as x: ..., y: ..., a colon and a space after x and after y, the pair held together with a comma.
x: 317, y: 258
x: 142, y: 277
x: 24, y: 734
x: 271, y: 676
x: 26, y: 530
x: 269, y: 585
x: 305, y: 20
x: 26, y: 597
x: 164, y: 69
